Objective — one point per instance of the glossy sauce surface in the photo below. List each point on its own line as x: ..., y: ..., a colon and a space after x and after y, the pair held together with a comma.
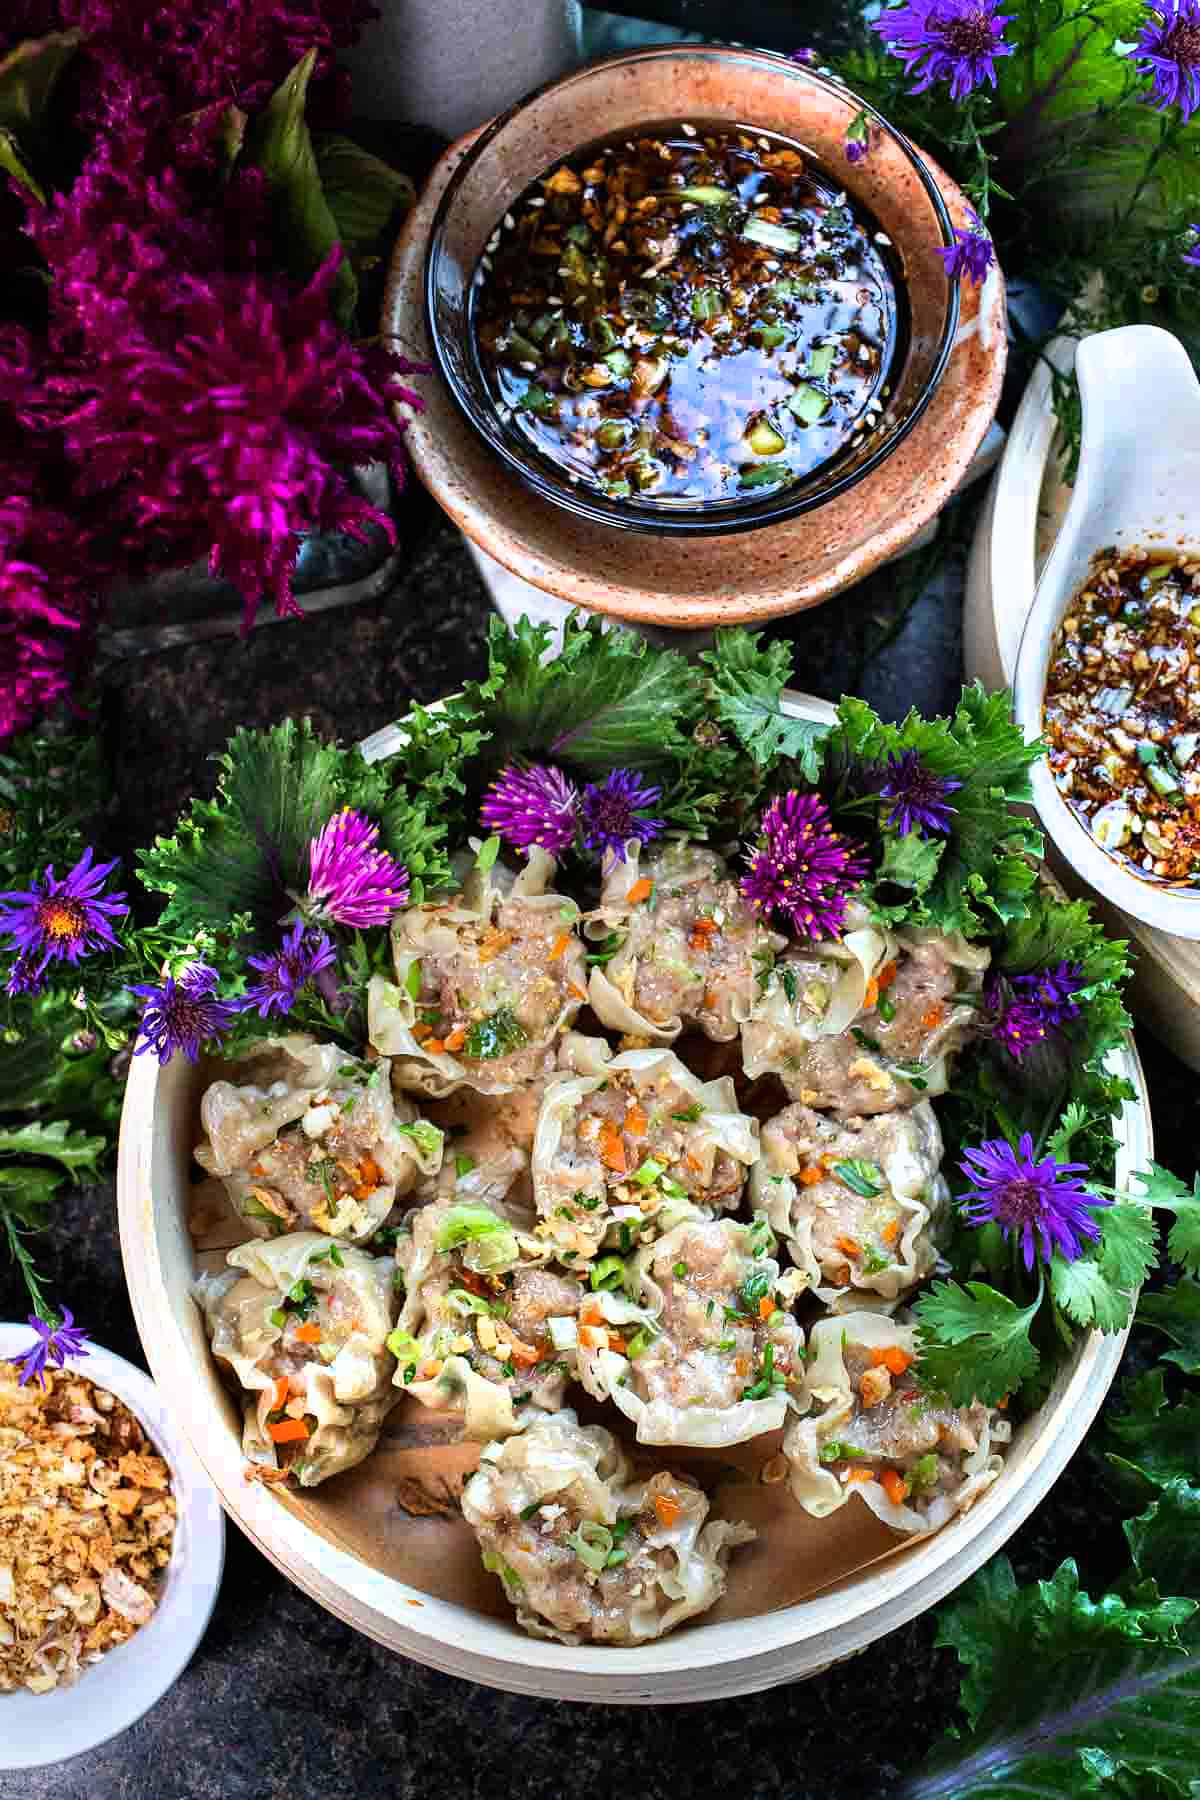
x: 696, y: 314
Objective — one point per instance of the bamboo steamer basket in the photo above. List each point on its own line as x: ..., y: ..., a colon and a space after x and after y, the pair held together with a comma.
x: 383, y: 1547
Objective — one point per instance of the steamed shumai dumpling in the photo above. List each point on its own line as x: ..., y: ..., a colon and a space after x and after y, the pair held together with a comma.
x: 690, y: 948
x: 868, y: 1024
x: 858, y: 1201
x: 312, y: 1137
x: 723, y: 1360
x: 486, y: 981
x: 914, y: 1460
x: 473, y: 1335
x: 586, y: 1555
x: 631, y: 1141
x: 303, y: 1324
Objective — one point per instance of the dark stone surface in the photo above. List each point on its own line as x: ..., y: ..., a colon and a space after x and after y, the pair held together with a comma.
x: 283, y: 1702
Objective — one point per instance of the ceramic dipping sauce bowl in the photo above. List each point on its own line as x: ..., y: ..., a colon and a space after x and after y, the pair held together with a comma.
x: 721, y: 566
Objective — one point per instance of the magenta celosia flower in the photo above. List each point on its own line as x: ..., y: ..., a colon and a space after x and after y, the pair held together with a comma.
x: 182, y: 1014
x: 304, y: 954
x: 1168, y: 47
x: 804, y: 871
x: 53, y: 1341
x: 971, y: 255
x: 351, y: 881
x: 532, y: 806
x: 62, y: 920
x: 611, y: 813
x: 228, y: 421
x: 920, y: 799
x: 1040, y: 1203
x: 947, y: 40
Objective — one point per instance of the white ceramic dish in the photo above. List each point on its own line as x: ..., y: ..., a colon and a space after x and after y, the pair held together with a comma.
x: 1138, y: 484
x: 418, y: 1593
x: 37, y: 1729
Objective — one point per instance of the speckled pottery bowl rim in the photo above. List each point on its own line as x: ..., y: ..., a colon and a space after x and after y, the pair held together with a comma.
x: 710, y: 519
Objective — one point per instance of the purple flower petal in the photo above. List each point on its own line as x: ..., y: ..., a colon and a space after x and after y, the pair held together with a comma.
x: 610, y: 813
x: 304, y: 953
x: 947, y: 40
x: 971, y: 255
x: 1192, y: 255
x: 1168, y: 47
x: 532, y: 806
x: 59, y: 920
x: 919, y: 796
x: 351, y: 882
x: 1040, y: 1203
x: 1026, y: 1010
x: 182, y: 1014
x: 52, y: 1343
x: 804, y: 871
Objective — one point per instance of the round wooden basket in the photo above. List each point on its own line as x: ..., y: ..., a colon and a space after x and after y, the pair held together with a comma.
x: 383, y: 1546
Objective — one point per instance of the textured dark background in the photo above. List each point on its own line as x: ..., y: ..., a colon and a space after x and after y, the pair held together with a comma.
x: 282, y: 1701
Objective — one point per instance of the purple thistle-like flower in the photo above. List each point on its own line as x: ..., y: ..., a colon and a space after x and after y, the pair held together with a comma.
x: 805, y: 870
x: 971, y: 255
x: 182, y: 1014
x: 1040, y: 1203
x: 1192, y: 255
x: 305, y: 951
x: 52, y: 1343
x: 1168, y: 47
x: 919, y: 796
x: 1029, y: 1009
x: 531, y: 806
x: 806, y: 56
x: 609, y: 813
x: 57, y: 921
x: 350, y: 881
x: 947, y: 40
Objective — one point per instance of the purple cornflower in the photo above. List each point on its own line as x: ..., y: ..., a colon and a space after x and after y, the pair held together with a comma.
x: 609, y: 813
x: 947, y: 40
x: 1168, y: 47
x: 971, y: 255
x: 857, y: 139
x: 805, y: 870
x: 305, y: 951
x: 182, y: 1014
x: 1028, y: 1009
x: 52, y: 1343
x: 350, y: 882
x: 1192, y: 255
x: 532, y: 805
x: 805, y: 55
x: 918, y: 796
x: 1039, y: 1202
x: 59, y: 921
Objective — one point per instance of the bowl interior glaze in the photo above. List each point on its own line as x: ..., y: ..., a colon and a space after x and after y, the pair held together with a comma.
x: 750, y: 88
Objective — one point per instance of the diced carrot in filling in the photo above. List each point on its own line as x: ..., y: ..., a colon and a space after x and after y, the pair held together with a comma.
x: 288, y: 1431
x: 766, y: 1306
x: 894, y: 1486
x: 932, y: 1017
x: 309, y: 1334
x: 872, y: 993
x: 281, y: 1393
x: 810, y: 1177
x: 891, y: 1231
x: 886, y: 976
x: 635, y: 1121
x: 741, y: 1365
x: 856, y: 1476
x: 560, y: 945
x: 850, y: 1245
x: 893, y: 1359
x: 641, y: 890
x: 668, y: 1510
x: 457, y: 1038
x: 612, y: 1148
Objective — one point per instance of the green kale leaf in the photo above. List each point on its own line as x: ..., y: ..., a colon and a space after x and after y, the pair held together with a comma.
x: 745, y: 685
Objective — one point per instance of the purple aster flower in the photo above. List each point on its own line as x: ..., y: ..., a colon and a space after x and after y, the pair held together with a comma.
x: 1039, y: 1202
x: 351, y: 882
x: 182, y: 1014
x: 1192, y: 255
x: 805, y: 55
x: 805, y: 870
x: 919, y: 796
x: 1168, y: 47
x: 52, y: 1343
x: 609, y: 813
x: 532, y: 805
x: 58, y: 921
x: 1028, y: 1009
x: 947, y: 40
x: 857, y: 140
x: 304, y: 953
x: 971, y: 255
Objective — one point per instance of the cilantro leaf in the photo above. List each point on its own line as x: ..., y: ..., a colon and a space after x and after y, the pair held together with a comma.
x: 1128, y: 1243
x: 1075, y: 1119
x: 1085, y: 1294
x: 1168, y: 1191
x: 1155, y: 1443
x: 1061, y: 1690
x: 607, y: 700
x: 744, y: 690
x: 1176, y: 1312
x: 974, y: 1342
x: 243, y: 850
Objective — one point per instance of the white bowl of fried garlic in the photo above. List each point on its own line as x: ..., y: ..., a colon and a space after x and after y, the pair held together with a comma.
x: 111, y: 1547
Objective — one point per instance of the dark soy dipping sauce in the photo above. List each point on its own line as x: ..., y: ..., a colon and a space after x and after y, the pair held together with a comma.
x: 695, y: 314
